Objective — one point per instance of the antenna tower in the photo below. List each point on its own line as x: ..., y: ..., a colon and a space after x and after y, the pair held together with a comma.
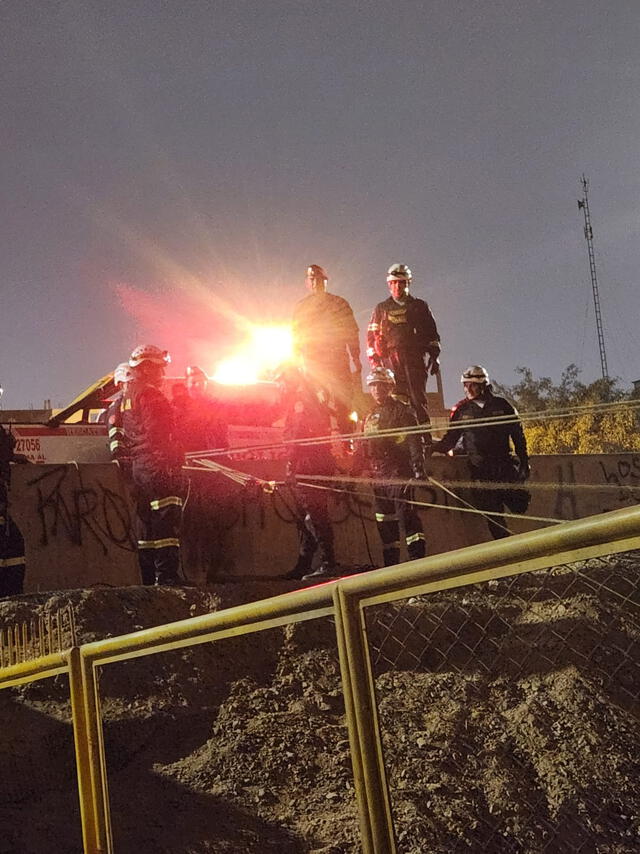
x: 583, y: 205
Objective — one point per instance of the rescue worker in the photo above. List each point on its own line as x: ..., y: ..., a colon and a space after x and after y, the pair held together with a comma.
x: 489, y: 448
x: 402, y: 336
x: 12, y: 558
x: 395, y: 457
x: 122, y: 375
x: 198, y: 415
x: 156, y: 461
x: 307, y: 416
x: 326, y: 338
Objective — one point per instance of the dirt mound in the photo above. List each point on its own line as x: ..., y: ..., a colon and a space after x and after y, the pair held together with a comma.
x: 509, y: 719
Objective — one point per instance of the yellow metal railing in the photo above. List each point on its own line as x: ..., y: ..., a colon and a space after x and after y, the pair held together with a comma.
x: 344, y: 600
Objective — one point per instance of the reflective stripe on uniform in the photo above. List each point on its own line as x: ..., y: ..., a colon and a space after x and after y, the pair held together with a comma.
x: 159, y: 544
x: 166, y: 502
x: 371, y: 351
x: 386, y: 517
x: 373, y: 327
x: 116, y: 431
x: 12, y: 561
x: 113, y: 446
x: 414, y: 538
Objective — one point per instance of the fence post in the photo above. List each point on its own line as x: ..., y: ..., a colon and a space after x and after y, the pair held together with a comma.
x: 94, y: 747
x: 364, y: 730
x: 83, y: 758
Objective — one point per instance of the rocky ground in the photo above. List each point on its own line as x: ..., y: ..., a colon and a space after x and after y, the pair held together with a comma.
x: 509, y: 714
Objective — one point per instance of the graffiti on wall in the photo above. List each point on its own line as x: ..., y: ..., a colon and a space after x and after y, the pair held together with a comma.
x: 625, y: 474
x: 79, y: 512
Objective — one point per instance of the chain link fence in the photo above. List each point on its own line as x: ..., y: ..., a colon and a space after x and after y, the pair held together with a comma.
x: 509, y: 711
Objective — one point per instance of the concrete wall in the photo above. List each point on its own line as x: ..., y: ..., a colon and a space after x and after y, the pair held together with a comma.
x: 78, y: 521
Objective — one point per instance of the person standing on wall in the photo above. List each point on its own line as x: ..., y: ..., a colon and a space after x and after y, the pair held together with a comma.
x: 326, y: 339
x: 489, y: 448
x: 392, y: 458
x: 156, y: 461
x: 12, y: 557
x: 403, y: 336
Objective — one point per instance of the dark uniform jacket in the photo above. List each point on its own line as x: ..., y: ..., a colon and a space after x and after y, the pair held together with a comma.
x: 391, y: 456
x: 324, y: 329
x: 148, y: 426
x: 308, y: 416
x: 488, y: 448
x: 408, y: 329
x: 199, y: 424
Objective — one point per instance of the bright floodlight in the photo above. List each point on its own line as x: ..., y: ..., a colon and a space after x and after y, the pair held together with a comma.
x: 265, y: 349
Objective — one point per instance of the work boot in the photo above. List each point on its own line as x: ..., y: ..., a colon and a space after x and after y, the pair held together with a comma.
x: 391, y: 556
x: 168, y: 581
x: 324, y: 571
x: 298, y: 572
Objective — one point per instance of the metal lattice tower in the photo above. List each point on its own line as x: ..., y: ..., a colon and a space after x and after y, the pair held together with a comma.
x: 583, y: 205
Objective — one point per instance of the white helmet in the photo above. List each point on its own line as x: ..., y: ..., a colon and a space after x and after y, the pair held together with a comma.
x: 149, y: 353
x: 381, y: 375
x: 475, y: 374
x: 123, y: 373
x: 398, y: 272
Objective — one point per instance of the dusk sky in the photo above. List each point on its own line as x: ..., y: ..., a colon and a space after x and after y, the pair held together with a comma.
x: 170, y: 168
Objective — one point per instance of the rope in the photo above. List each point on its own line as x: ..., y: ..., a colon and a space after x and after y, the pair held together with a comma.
x: 492, y: 484
x: 468, y: 509
x: 423, y: 429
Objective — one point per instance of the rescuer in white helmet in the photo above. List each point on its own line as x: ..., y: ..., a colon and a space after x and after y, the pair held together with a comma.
x: 156, y: 459
x: 392, y: 458
x: 326, y: 338
x: 489, y: 448
x: 402, y: 335
x: 12, y: 559
x: 112, y: 417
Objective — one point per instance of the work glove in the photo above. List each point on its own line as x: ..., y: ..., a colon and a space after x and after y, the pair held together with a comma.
x: 419, y: 473
x: 290, y: 474
x: 524, y: 470
x: 433, y: 365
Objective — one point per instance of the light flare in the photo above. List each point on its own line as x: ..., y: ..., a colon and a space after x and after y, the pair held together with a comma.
x: 266, y: 348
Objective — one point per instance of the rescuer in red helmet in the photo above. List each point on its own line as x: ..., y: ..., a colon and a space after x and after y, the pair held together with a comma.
x: 387, y: 460
x: 156, y: 458
x: 12, y: 559
x: 307, y: 416
x: 326, y: 337
x: 402, y: 336
x: 488, y: 449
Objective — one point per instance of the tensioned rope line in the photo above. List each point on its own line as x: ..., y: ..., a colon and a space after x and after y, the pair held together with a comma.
x: 270, y: 486
x: 493, y: 484
x: 421, y: 429
x: 468, y: 509
x: 418, y: 483
x: 245, y: 479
